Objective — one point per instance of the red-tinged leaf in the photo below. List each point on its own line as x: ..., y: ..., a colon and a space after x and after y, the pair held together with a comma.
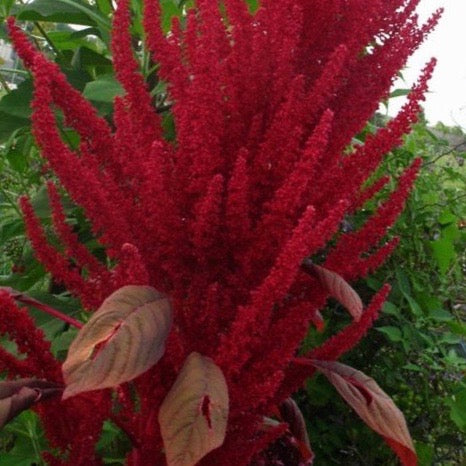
x: 293, y: 416
x: 338, y: 288
x: 193, y: 416
x: 318, y: 321
x: 19, y: 395
x: 373, y: 405
x: 123, y: 339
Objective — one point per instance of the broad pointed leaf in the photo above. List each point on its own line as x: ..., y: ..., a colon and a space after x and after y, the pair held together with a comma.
x: 373, y: 405
x: 338, y: 288
x: 293, y: 416
x: 19, y: 395
x: 123, y: 339
x: 193, y: 416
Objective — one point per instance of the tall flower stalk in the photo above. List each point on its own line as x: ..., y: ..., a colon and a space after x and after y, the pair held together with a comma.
x: 260, y: 177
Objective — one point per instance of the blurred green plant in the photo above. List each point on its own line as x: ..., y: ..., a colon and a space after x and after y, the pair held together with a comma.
x: 417, y: 349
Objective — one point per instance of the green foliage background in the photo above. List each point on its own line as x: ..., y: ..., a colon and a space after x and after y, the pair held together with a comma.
x: 417, y: 350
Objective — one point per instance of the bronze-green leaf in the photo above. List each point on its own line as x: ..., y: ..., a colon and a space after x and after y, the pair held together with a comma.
x: 373, y: 405
x: 19, y: 395
x: 124, y: 338
x: 193, y: 416
x: 338, y: 288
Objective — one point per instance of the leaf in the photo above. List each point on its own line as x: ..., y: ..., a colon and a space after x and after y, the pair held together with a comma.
x: 193, y: 416
x: 373, y: 405
x: 10, y: 124
x: 399, y: 93
x: 457, y: 405
x: 444, y: 253
x: 61, y: 11
x: 124, y: 338
x: 413, y: 305
x: 105, y: 6
x: 393, y: 333
x: 425, y: 453
x: 19, y: 395
x: 104, y: 89
x: 293, y: 416
x: 18, y: 102
x: 338, y: 288
x: 391, y: 309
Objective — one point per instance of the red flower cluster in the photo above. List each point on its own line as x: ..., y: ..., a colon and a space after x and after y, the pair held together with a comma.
x: 260, y: 176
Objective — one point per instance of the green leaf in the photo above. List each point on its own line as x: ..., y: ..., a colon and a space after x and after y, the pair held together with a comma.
x: 5, y: 6
x: 71, y: 40
x: 425, y: 453
x: 11, y: 229
x: 413, y: 367
x: 451, y: 232
x: 253, y: 5
x: 104, y: 89
x: 170, y: 9
x: 9, y: 124
x: 105, y: 6
x: 61, y: 11
x: 457, y: 406
x: 413, y: 305
x: 447, y: 217
x: 84, y: 56
x: 17, y: 160
x: 393, y: 333
x: 18, y: 102
x: 193, y: 416
x: 61, y: 343
x: 403, y: 281
x: 40, y: 203
x: 123, y: 339
x: 444, y: 253
x: 28, y: 436
x: 457, y: 327
x: 399, y: 93
x: 441, y: 315
x: 449, y: 339
x: 390, y: 309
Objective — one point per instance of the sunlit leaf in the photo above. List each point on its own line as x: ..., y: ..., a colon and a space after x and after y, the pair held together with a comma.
x: 19, y: 395
x: 373, y: 405
x: 123, y: 339
x: 193, y: 416
x: 338, y: 288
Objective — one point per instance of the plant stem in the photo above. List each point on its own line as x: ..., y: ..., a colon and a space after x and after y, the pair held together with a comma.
x: 22, y: 298
x: 4, y: 84
x: 47, y: 38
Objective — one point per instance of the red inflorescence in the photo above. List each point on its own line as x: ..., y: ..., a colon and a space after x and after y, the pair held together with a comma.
x: 261, y: 175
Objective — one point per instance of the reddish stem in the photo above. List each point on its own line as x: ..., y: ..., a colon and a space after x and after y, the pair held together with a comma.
x: 22, y: 298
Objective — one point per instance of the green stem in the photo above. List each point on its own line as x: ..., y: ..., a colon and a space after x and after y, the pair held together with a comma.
x: 13, y: 203
x: 47, y: 38
x: 14, y: 71
x: 4, y: 84
x: 35, y: 445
